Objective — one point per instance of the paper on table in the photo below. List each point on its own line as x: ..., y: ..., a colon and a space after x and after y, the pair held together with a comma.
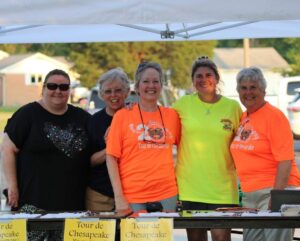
x: 290, y: 210
x: 261, y: 214
x: 63, y: 215
x: 159, y: 214
x: 212, y: 214
x: 18, y: 215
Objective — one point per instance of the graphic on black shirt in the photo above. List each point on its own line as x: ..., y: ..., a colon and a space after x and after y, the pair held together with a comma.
x: 70, y: 140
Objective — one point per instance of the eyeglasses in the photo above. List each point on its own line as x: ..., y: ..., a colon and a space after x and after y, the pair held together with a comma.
x: 154, y: 133
x: 110, y: 91
x: 54, y: 86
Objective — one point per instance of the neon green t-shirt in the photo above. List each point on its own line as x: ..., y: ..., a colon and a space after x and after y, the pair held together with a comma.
x: 205, y: 169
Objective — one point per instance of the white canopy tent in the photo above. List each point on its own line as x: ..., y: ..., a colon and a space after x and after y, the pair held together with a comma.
x: 49, y: 21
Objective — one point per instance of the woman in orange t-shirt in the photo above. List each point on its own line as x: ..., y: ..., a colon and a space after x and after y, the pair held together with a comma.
x: 263, y: 151
x: 139, y: 148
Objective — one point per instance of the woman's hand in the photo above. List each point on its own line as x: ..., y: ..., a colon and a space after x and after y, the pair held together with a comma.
x: 9, y: 152
x: 121, y: 204
x: 114, y: 175
x: 13, y: 196
x: 129, y: 105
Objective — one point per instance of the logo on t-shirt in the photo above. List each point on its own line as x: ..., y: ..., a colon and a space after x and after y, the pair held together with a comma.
x: 152, y: 132
x: 246, y: 132
x: 227, y: 124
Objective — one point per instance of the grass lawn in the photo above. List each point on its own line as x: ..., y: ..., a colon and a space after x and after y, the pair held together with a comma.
x: 5, y: 113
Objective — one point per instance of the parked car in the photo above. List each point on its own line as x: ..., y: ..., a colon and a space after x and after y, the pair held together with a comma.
x: 279, y: 94
x: 78, y: 92
x: 294, y: 114
x: 94, y: 103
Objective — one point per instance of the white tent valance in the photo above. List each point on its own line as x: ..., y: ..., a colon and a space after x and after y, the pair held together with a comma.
x: 144, y: 11
x: 41, y: 21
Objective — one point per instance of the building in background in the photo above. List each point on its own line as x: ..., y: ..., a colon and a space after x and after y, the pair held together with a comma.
x: 231, y: 60
x: 22, y: 75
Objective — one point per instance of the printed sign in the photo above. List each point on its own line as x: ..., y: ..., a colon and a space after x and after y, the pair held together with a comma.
x: 13, y: 230
x: 89, y: 230
x: 146, y: 229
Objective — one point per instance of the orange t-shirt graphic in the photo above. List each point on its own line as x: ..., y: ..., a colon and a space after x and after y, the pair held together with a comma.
x: 145, y: 155
x: 263, y: 140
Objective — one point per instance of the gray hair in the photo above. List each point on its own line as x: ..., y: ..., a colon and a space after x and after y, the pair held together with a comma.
x: 142, y: 67
x: 111, y: 75
x: 252, y: 74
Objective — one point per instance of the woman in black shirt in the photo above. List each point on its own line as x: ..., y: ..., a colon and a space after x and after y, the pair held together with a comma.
x: 45, y: 150
x: 113, y: 90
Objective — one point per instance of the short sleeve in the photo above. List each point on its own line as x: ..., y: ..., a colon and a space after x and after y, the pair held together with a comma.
x: 238, y: 114
x: 281, y: 138
x: 177, y: 128
x: 19, y: 125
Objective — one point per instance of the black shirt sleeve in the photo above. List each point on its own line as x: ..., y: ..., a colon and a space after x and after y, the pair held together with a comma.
x: 19, y: 125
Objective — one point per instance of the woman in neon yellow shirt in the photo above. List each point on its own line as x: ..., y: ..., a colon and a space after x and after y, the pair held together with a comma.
x: 205, y: 170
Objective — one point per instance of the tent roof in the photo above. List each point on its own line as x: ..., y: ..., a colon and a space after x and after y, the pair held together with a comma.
x: 45, y: 21
x: 144, y: 11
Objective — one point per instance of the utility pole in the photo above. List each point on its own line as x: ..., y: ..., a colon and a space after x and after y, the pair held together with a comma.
x: 246, y: 53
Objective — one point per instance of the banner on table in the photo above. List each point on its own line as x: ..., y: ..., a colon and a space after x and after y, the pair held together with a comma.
x: 13, y: 230
x: 159, y: 229
x: 89, y: 230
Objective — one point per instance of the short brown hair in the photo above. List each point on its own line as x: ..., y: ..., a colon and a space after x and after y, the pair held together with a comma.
x: 204, y: 61
x: 56, y: 72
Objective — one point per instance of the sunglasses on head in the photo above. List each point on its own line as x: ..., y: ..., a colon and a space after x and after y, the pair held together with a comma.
x: 203, y: 57
x: 53, y: 86
x: 142, y: 64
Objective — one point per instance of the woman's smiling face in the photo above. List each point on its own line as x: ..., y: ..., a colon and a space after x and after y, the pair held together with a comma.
x: 204, y: 80
x: 149, y: 87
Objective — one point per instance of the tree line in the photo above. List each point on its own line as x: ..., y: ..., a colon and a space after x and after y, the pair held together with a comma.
x: 92, y: 59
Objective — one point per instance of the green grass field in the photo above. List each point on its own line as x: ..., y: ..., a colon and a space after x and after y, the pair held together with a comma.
x: 5, y: 113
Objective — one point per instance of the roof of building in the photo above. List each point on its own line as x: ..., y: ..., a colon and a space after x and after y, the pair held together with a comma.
x: 3, y: 54
x: 13, y: 59
x: 264, y: 58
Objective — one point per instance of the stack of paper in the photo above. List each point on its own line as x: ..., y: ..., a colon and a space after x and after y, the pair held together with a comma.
x: 290, y: 210
x: 18, y: 215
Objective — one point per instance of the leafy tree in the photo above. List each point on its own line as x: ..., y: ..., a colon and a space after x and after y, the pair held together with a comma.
x: 176, y: 57
x: 15, y: 48
x: 236, y: 43
x: 92, y: 59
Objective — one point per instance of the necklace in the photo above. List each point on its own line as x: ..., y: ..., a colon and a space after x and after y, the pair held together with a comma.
x: 208, y: 106
x: 207, y: 109
x: 156, y: 130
